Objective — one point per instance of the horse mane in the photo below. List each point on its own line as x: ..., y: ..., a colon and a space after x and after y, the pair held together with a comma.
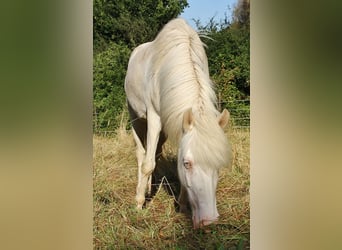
x: 179, y: 67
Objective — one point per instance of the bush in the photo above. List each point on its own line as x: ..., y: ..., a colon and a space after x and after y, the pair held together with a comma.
x: 228, y: 58
x: 108, y: 89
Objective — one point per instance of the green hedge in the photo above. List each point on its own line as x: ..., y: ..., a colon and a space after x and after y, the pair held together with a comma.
x: 108, y: 89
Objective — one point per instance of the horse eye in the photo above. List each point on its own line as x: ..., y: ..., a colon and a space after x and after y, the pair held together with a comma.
x: 187, y: 164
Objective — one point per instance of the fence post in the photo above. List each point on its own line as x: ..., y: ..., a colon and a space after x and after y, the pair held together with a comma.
x: 219, y: 102
x: 95, y: 118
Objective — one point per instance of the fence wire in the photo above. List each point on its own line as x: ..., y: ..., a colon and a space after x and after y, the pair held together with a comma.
x: 239, y: 117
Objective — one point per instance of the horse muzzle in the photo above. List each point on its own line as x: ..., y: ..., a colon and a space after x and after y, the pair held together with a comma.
x: 203, y: 222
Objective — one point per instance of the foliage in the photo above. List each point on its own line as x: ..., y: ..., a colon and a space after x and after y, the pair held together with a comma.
x: 109, y: 75
x: 131, y: 22
x: 241, y: 14
x: 121, y: 25
x: 228, y: 59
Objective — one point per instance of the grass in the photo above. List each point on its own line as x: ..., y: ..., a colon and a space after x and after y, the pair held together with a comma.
x: 118, y: 225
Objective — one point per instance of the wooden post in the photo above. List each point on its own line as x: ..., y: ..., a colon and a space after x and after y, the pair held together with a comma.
x: 219, y: 102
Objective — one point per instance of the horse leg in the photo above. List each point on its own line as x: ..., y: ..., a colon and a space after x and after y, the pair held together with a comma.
x: 162, y: 139
x: 159, y: 151
x: 140, y: 153
x: 183, y: 200
x: 148, y: 164
x: 139, y: 130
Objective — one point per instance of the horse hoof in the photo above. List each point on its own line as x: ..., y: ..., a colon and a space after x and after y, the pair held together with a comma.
x: 140, y: 201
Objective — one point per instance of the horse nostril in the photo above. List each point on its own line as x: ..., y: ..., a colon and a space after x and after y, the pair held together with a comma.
x: 205, y: 222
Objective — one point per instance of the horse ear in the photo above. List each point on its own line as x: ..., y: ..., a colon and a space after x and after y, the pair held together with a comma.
x: 188, y: 120
x: 223, y: 118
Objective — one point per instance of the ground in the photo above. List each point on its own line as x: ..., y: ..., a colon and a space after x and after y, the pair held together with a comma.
x: 117, y: 223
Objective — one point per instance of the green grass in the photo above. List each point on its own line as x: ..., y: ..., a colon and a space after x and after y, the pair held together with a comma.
x: 118, y: 225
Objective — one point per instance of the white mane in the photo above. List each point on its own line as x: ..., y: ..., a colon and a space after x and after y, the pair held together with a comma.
x: 181, y: 67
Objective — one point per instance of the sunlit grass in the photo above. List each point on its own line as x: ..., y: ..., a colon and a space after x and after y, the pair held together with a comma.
x: 118, y: 225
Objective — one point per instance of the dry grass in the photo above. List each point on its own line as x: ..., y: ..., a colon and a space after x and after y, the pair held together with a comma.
x: 118, y: 225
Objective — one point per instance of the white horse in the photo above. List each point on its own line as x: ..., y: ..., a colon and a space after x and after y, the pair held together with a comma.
x: 170, y: 95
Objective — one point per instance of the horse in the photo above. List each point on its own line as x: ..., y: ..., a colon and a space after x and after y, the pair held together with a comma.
x: 170, y: 96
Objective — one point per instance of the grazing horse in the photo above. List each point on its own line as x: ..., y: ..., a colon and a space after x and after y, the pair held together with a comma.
x: 170, y: 95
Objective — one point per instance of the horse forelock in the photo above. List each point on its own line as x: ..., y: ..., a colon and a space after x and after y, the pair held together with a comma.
x: 208, y: 144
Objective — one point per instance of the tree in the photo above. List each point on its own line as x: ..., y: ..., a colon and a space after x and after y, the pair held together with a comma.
x: 118, y: 27
x: 131, y: 22
x: 241, y: 14
x: 229, y: 59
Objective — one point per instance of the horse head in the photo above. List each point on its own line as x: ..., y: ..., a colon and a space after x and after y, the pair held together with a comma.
x: 198, y: 166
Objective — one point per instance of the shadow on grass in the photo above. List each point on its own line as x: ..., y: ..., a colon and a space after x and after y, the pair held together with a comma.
x: 165, y: 174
